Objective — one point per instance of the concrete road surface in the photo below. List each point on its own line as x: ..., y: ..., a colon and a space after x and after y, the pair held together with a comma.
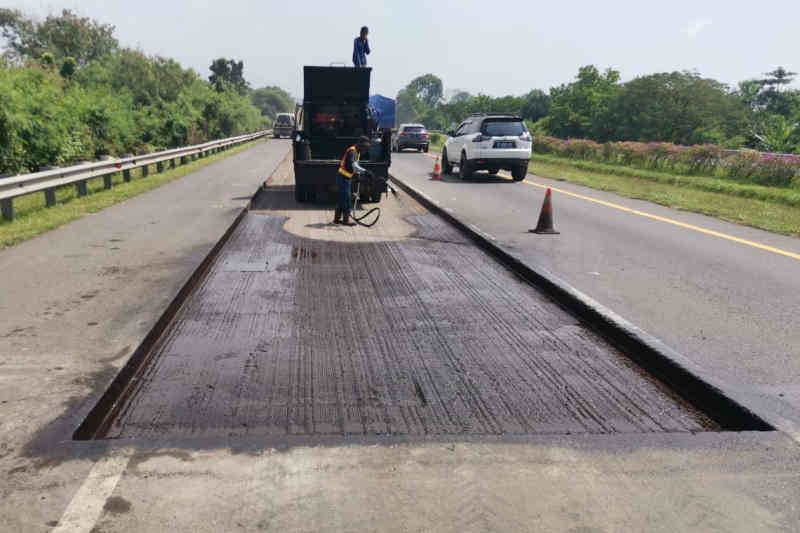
x: 726, y: 296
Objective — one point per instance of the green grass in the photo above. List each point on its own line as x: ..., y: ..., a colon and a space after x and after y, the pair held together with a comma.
x: 789, y: 196
x: 32, y: 218
x: 777, y: 212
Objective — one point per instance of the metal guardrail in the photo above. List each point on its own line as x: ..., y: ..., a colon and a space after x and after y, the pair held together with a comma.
x: 48, y: 181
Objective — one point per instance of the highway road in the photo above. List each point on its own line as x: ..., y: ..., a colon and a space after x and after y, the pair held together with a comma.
x: 77, y: 301
x: 726, y: 296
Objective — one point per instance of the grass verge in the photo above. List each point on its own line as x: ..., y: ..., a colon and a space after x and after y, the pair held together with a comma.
x: 783, y: 195
x: 772, y: 213
x: 32, y: 218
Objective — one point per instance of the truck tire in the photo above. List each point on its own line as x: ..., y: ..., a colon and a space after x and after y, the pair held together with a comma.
x: 519, y: 172
x: 447, y: 168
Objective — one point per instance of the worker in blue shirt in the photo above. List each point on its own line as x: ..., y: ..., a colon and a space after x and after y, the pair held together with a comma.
x: 361, y: 48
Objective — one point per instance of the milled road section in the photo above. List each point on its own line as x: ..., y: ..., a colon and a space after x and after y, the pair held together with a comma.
x: 305, y: 328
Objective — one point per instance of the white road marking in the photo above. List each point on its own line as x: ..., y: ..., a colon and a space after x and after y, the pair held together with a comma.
x: 86, y: 506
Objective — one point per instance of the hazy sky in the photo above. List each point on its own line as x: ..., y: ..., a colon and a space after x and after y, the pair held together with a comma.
x: 495, y: 47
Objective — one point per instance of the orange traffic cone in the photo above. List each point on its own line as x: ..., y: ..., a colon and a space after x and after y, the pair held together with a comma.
x: 437, y: 169
x: 545, y: 225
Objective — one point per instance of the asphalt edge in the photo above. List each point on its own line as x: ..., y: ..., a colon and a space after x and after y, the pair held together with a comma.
x: 96, y: 423
x: 662, y: 362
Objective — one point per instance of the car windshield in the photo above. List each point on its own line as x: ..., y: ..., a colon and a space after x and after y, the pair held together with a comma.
x: 500, y: 128
x: 283, y: 120
x: 413, y: 129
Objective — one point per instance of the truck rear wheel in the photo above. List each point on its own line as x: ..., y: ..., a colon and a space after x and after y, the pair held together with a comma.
x: 519, y: 172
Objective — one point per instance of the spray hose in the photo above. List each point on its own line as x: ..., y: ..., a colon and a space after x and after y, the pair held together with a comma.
x: 356, y: 197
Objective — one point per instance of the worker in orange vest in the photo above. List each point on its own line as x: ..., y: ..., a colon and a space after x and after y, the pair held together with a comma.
x: 348, y: 168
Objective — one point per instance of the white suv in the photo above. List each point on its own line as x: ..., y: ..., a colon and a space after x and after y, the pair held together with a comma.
x: 488, y: 142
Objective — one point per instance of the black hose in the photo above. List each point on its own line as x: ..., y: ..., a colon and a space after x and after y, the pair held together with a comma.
x: 360, y: 220
x: 365, y: 215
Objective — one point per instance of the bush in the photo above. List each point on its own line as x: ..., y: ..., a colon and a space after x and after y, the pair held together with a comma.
x: 707, y: 159
x: 56, y: 118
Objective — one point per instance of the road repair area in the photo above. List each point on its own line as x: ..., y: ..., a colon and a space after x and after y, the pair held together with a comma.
x: 313, y: 377
x: 303, y: 327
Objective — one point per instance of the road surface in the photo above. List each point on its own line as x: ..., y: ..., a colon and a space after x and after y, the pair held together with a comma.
x: 729, y: 306
x: 77, y: 300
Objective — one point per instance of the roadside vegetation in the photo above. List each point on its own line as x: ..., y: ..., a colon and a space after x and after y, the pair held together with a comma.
x: 69, y: 92
x: 33, y: 218
x: 676, y: 139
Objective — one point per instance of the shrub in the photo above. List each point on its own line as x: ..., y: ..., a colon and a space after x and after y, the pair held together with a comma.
x: 705, y: 159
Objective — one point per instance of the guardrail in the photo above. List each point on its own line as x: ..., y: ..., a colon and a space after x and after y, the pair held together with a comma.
x: 48, y: 181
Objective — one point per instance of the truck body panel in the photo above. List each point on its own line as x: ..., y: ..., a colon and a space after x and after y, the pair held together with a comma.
x: 334, y: 114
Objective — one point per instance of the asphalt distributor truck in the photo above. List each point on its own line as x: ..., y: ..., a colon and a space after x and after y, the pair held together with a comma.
x: 334, y: 114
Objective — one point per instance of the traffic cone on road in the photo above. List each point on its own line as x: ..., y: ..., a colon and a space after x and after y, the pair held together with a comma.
x: 545, y: 225
x: 437, y: 169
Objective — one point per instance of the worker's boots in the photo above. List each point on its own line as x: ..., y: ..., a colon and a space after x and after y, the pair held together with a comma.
x: 346, y: 220
x: 337, y: 217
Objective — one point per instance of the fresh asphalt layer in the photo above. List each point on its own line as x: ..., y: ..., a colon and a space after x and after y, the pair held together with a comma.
x: 688, y: 279
x: 78, y: 300
x: 425, y: 335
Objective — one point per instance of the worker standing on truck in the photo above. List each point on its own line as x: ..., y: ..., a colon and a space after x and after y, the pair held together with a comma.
x: 348, y: 168
x: 361, y: 48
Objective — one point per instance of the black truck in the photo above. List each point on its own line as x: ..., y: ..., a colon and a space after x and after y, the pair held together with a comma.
x: 334, y: 114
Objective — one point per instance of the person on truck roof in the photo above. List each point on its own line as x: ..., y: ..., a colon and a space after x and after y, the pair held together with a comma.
x: 348, y: 167
x: 361, y: 48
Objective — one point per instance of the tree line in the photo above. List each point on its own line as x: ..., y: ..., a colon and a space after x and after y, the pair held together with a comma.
x: 70, y: 92
x: 676, y: 107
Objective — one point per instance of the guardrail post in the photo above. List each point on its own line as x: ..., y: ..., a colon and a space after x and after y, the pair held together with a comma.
x: 145, y: 171
x: 107, y: 183
x: 183, y: 160
x: 126, y: 174
x: 7, y: 208
x: 49, y: 197
x: 172, y: 163
x: 81, y: 186
x: 160, y: 167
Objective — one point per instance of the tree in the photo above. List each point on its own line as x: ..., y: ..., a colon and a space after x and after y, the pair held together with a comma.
x: 535, y: 105
x: 578, y: 109
x: 677, y: 107
x: 228, y: 73
x: 419, y: 97
x: 64, y: 35
x: 770, y: 94
x: 777, y: 134
x: 272, y: 100
x: 459, y: 96
x: 427, y: 89
x: 68, y: 67
x: 778, y: 78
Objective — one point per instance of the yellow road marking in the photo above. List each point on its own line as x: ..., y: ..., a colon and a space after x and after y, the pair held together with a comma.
x: 712, y: 233
x: 673, y: 222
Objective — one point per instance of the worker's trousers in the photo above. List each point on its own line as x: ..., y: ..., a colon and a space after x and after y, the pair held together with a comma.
x: 343, y: 193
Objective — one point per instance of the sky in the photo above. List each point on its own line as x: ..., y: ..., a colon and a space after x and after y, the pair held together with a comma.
x: 485, y: 46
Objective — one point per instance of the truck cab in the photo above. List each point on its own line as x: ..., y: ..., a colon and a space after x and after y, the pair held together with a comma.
x: 334, y: 114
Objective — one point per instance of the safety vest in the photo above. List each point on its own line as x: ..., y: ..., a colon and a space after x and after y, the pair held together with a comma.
x: 343, y: 170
